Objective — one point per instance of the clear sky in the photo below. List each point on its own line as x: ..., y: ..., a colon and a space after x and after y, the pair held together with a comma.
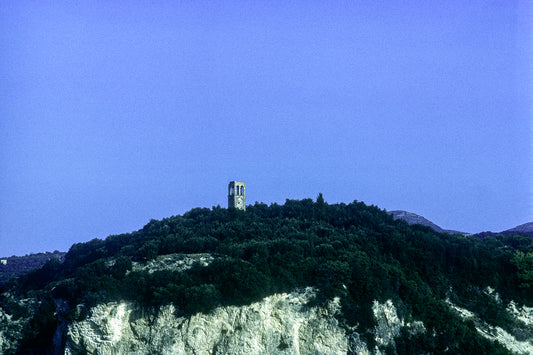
x: 113, y: 113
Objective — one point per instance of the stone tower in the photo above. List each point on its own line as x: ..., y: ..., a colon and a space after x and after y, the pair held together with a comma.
x: 237, y: 195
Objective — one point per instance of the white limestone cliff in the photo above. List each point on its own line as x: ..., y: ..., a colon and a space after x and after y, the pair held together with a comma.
x: 389, y: 324
x: 280, y: 324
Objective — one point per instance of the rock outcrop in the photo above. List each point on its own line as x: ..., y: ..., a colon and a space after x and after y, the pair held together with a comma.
x: 281, y: 323
x: 174, y: 262
x: 518, y: 343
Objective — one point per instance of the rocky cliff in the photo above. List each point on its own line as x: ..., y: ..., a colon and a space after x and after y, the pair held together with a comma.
x: 518, y: 339
x: 279, y: 324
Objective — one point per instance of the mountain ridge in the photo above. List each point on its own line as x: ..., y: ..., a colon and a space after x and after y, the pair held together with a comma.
x: 525, y: 229
x: 413, y: 218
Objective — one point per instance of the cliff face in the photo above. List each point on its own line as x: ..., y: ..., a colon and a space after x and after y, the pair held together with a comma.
x: 281, y: 323
x: 520, y: 338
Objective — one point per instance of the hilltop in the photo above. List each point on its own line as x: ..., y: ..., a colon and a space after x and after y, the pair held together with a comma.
x: 412, y: 218
x: 355, y: 262
x: 523, y: 229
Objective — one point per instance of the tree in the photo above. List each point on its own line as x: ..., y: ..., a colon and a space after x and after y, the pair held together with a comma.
x: 524, y: 264
x: 122, y: 265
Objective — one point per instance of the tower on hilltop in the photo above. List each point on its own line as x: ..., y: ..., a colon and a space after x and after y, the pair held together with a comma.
x: 237, y: 195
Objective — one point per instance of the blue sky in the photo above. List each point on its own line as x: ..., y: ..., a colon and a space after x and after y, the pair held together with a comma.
x: 115, y: 113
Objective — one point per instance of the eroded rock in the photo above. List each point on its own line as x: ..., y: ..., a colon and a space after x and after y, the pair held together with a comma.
x: 280, y: 324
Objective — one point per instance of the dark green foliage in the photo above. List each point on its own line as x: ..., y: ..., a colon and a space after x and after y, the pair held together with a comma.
x: 39, y: 278
x: 524, y: 264
x: 120, y: 267
x: 353, y: 251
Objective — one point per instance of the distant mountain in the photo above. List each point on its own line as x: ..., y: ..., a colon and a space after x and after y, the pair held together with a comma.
x: 523, y: 229
x: 412, y: 218
x: 15, y: 266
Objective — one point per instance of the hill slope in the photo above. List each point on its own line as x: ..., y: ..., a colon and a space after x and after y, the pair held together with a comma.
x: 15, y: 266
x: 188, y: 268
x: 412, y: 218
x: 523, y: 229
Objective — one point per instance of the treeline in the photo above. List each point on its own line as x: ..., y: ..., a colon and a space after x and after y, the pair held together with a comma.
x: 354, y: 251
x: 15, y: 266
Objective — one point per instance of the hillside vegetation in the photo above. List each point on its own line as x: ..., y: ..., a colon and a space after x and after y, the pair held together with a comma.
x: 354, y: 251
x: 15, y: 266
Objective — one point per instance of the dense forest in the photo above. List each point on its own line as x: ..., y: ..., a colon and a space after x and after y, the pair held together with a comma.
x: 354, y: 251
